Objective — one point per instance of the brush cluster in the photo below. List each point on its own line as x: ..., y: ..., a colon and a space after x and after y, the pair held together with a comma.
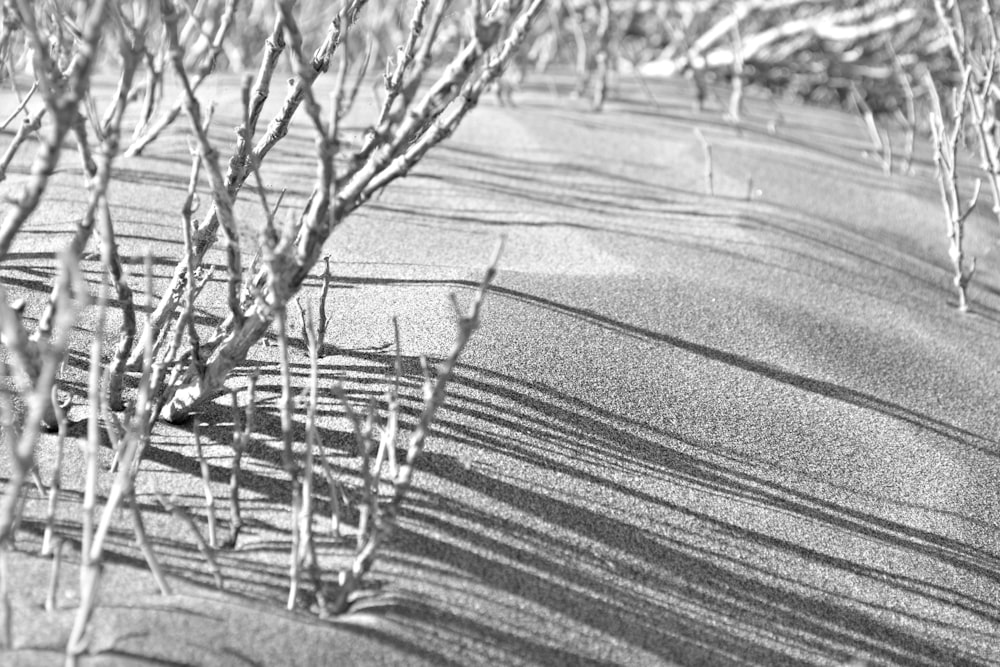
x: 435, y: 71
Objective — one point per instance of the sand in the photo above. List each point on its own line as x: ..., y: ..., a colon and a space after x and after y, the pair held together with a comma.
x: 696, y: 429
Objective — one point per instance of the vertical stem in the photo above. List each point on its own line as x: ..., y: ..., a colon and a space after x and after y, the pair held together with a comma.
x: 93, y: 436
x: 139, y: 526
x: 126, y: 339
x: 6, y: 612
x: 707, y: 150
x: 602, y: 56
x: 206, y: 481
x: 287, y: 450
x: 321, y: 323
x: 52, y: 596
x: 89, y: 570
x: 308, y: 549
x: 55, y: 485
x: 241, y: 438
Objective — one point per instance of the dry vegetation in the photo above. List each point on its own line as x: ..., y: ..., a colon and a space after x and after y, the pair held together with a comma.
x: 888, y: 59
x: 923, y: 68
x: 438, y: 60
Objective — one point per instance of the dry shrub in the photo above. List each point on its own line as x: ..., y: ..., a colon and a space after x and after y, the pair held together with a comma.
x: 438, y: 57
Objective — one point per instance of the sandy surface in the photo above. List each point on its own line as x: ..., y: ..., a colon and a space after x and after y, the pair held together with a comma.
x: 693, y: 429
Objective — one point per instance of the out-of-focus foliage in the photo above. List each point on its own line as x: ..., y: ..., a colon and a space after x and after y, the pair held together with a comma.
x: 815, y: 50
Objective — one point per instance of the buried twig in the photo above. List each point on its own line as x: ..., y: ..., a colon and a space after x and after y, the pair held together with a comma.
x: 288, y: 459
x: 241, y: 440
x: 434, y: 393
x: 337, y: 499
x: 145, y: 546
x: 52, y: 594
x: 322, y: 321
x: 881, y: 141
x: 369, y: 511
x: 387, y: 440
x: 436, y: 390
x: 362, y: 430
x: 708, y: 168
x: 206, y: 482
x: 55, y: 481
x: 307, y: 549
x: 206, y: 550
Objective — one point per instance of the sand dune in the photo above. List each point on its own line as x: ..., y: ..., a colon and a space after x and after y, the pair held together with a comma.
x: 693, y: 429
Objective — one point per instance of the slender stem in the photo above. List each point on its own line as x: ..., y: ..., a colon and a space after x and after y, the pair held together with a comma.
x: 288, y: 453
x: 206, y: 482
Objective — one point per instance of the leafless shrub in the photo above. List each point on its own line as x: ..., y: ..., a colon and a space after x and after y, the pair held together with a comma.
x: 391, y: 148
x: 971, y: 33
x: 815, y: 51
x: 379, y: 513
x: 947, y: 134
x: 134, y: 439
x: 974, y: 42
x: 436, y: 69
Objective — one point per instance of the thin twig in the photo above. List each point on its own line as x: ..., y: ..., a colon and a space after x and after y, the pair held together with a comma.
x: 321, y: 318
x: 221, y: 197
x: 89, y: 570
x: 241, y: 440
x: 20, y: 107
x: 29, y: 125
x: 423, y: 127
x: 288, y: 453
x: 435, y: 392
x: 206, y: 551
x: 225, y: 24
x: 206, y: 482
x: 142, y: 539
x: 52, y: 594
x: 55, y: 483
x: 708, y: 164
x: 62, y: 107
x: 307, y: 549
